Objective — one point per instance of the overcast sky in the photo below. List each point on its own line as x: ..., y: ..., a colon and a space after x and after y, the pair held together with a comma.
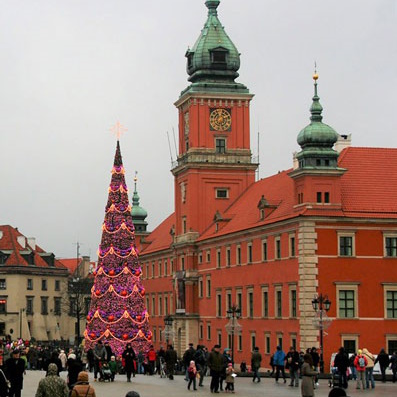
x: 70, y: 69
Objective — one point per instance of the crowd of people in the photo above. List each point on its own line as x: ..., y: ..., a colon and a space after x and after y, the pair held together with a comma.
x: 197, y: 363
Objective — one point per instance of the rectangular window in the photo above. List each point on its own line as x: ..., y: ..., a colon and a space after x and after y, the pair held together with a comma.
x: 160, y: 306
x: 251, y: 304
x: 160, y: 269
x: 222, y: 193
x: 293, y: 303
x: 3, y: 304
x: 293, y: 342
x: 57, y: 306
x: 265, y: 302
x: 345, y: 245
x: 220, y: 145
x: 165, y: 268
x: 346, y: 304
x: 319, y: 197
x: 253, y: 342
x: 201, y: 331
x: 292, y: 246
x: 200, y: 285
x: 44, y: 305
x: 218, y: 258
x: 209, y: 331
x: 29, y: 305
x: 208, y: 287
x: 391, y: 246
x: 147, y: 270
x: 264, y: 251
x: 228, y: 300
x: 166, y: 305
x: 30, y: 284
x: 278, y: 247
x: 249, y: 253
x: 280, y: 341
x: 219, y: 305
x: 279, y: 304
x: 57, y: 285
x: 391, y: 346
x: 350, y: 346
x: 240, y: 342
x: 267, y: 344
x: 238, y: 255
x: 153, y: 306
x: 228, y: 257
x: 326, y: 197
x: 3, y: 284
x: 208, y: 256
x: 200, y: 257
x: 184, y: 224
x: 391, y: 304
x: 152, y: 269
x: 44, y: 285
x: 182, y: 263
x: 219, y: 338
x: 239, y: 297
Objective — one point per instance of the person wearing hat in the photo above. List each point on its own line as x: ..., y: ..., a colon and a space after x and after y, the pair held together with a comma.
x: 215, y: 364
x: 82, y: 387
x: 52, y: 385
x: 15, y: 369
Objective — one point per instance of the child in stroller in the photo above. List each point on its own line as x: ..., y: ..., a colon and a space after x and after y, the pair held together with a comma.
x: 106, y: 372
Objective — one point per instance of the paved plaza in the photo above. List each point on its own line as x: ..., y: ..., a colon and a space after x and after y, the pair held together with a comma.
x: 154, y: 386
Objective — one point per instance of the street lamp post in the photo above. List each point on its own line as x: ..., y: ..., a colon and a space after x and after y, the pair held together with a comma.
x: 321, y: 305
x: 168, y: 320
x: 233, y: 314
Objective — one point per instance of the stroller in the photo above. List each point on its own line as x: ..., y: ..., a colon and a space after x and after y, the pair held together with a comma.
x: 106, y: 373
x: 163, y: 369
x: 334, y: 381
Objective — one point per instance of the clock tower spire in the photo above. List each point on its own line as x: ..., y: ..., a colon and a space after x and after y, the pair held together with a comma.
x: 215, y: 163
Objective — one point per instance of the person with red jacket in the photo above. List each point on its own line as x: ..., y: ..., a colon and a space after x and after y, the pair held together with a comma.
x: 360, y: 362
x: 151, y: 357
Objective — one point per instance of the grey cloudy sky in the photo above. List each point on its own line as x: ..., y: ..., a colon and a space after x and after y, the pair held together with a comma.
x: 71, y: 69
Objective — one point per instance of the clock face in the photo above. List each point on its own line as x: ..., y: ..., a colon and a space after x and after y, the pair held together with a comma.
x: 220, y: 120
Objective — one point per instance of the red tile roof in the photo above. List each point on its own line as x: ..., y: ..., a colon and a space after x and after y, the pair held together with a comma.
x: 369, y: 189
x: 70, y: 263
x: 9, y: 244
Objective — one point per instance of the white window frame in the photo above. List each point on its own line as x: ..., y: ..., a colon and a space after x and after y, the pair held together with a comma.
x: 388, y: 287
x: 385, y: 236
x: 345, y: 233
x: 347, y: 287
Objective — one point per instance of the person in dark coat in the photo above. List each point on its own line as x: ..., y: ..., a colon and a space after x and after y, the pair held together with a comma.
x: 109, y: 352
x: 256, y: 359
x: 90, y: 359
x: 216, y: 365
x: 3, y: 384
x: 54, y: 359
x: 342, y: 362
x: 74, y: 368
x: 129, y: 361
x: 171, y: 358
x: 187, y: 357
x: 15, y: 369
x: 292, y: 364
x: 384, y: 361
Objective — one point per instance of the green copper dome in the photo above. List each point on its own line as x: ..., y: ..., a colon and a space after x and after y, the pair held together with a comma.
x: 138, y: 213
x: 214, y: 60
x: 317, y: 139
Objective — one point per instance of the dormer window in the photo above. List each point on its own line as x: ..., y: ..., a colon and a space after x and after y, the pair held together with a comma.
x: 219, y: 57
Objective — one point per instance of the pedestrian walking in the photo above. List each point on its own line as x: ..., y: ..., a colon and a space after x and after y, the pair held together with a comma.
x: 99, y: 356
x: 192, y: 374
x: 200, y: 358
x: 113, y: 367
x: 4, y: 384
x: 256, y: 359
x: 308, y: 374
x: 52, y: 385
x: 171, y: 358
x: 342, y: 362
x: 215, y: 364
x: 292, y: 365
x: 129, y: 360
x: 230, y: 375
x: 151, y: 356
x: 74, y: 368
x: 384, y: 361
x: 360, y: 363
x: 369, y: 369
x: 14, y: 370
x: 187, y: 357
x: 278, y: 360
x: 82, y: 387
x: 63, y: 358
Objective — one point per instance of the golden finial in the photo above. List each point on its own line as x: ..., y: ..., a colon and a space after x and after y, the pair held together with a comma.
x: 118, y: 129
x: 315, y: 74
x: 135, y: 177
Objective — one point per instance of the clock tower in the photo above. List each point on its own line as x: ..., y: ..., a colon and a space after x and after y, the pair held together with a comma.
x: 214, y: 164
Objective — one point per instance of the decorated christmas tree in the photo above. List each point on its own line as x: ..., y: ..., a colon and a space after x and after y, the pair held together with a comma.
x: 117, y: 312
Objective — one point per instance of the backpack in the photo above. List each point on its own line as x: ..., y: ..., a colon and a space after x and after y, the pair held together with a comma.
x: 361, y: 362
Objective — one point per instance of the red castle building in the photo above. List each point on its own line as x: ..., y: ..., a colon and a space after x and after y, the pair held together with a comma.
x: 327, y: 227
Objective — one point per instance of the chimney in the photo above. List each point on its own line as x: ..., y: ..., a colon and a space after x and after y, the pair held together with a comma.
x: 21, y: 241
x: 32, y: 242
x: 343, y: 141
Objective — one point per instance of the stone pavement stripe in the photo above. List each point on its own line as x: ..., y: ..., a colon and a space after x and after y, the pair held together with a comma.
x: 154, y: 386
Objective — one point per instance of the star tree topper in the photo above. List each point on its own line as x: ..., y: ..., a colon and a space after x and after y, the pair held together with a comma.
x: 118, y: 129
